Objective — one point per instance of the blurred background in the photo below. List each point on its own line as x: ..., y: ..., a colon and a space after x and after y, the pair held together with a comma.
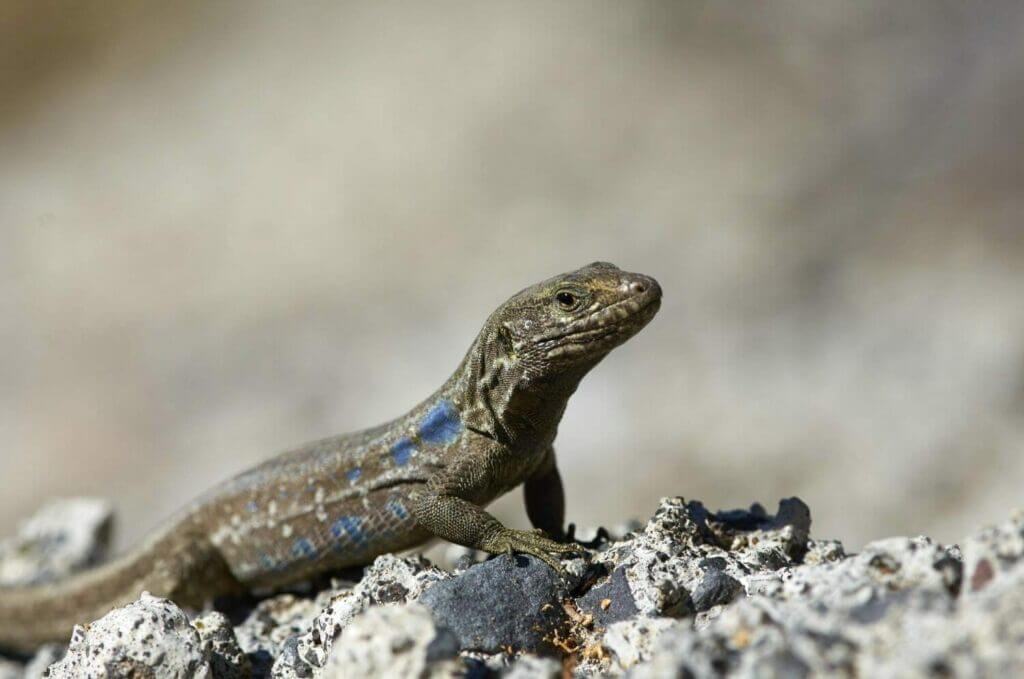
x: 229, y: 228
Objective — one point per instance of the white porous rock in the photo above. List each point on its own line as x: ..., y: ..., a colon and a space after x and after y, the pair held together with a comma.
x: 394, y: 641
x: 150, y: 637
x: 63, y: 537
x: 220, y: 646
x: 874, y: 575
x: 278, y: 620
x: 46, y: 655
x: 903, y: 607
x: 10, y: 669
x: 686, y: 551
x: 389, y: 579
x: 632, y: 641
x: 992, y: 550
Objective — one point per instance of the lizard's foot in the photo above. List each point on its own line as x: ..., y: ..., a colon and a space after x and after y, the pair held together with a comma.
x: 533, y: 542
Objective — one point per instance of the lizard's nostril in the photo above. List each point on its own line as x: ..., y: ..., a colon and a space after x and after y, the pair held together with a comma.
x: 637, y: 287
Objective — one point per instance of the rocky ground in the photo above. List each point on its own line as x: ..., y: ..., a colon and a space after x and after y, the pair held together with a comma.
x: 691, y: 593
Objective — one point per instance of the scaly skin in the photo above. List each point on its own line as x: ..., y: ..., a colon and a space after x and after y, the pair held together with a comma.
x: 344, y: 500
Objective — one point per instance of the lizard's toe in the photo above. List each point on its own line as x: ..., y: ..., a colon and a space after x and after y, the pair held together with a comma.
x: 536, y: 543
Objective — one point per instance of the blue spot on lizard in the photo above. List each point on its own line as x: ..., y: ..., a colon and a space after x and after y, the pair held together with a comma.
x: 252, y: 507
x: 398, y: 509
x: 354, y: 474
x: 441, y: 425
x: 350, y: 526
x: 402, y: 451
x: 303, y: 548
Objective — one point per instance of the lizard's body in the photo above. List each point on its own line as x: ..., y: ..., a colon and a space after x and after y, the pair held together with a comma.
x: 343, y: 500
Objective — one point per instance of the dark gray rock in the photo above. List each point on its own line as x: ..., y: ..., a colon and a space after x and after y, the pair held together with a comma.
x: 443, y: 646
x: 716, y: 587
x: 714, y: 563
x: 611, y: 601
x: 507, y: 602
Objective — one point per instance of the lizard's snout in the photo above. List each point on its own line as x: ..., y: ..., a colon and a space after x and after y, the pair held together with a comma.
x: 642, y: 287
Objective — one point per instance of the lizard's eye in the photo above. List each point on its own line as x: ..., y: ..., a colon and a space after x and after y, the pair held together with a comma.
x: 567, y: 300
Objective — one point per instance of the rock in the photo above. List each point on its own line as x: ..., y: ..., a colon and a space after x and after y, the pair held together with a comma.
x: 533, y: 667
x: 10, y: 669
x: 221, y: 647
x: 991, y: 551
x: 683, y: 543
x: 884, y: 569
x: 632, y: 641
x: 691, y: 593
x: 394, y: 641
x: 611, y: 601
x: 63, y: 537
x: 774, y: 539
x: 823, y: 551
x: 747, y: 639
x: 388, y: 580
x: 659, y: 563
x: 511, y: 601
x: 44, y: 657
x: 148, y: 638
x: 716, y: 588
x: 891, y: 610
x: 268, y: 627
x: 290, y: 663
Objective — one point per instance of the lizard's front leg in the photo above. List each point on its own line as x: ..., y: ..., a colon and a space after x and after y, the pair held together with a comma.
x: 545, y: 498
x: 438, y: 509
x: 545, y: 505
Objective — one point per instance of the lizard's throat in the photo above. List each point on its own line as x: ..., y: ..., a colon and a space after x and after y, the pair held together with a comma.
x: 508, y: 397
x: 534, y: 409
x: 527, y: 409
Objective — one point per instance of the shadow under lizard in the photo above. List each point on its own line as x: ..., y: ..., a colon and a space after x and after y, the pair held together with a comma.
x: 342, y: 501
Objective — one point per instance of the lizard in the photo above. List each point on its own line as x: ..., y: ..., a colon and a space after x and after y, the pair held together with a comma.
x: 341, y: 501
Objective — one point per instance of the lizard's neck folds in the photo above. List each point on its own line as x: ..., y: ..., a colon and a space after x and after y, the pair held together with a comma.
x: 501, y: 399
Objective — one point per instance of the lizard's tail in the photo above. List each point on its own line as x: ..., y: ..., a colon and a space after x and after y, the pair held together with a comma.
x: 175, y: 565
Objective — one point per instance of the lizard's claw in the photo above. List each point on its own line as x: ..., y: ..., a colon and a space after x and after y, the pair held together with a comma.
x: 534, y: 542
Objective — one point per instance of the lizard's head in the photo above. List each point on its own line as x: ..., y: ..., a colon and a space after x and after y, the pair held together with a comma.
x: 573, y: 320
x: 536, y: 347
